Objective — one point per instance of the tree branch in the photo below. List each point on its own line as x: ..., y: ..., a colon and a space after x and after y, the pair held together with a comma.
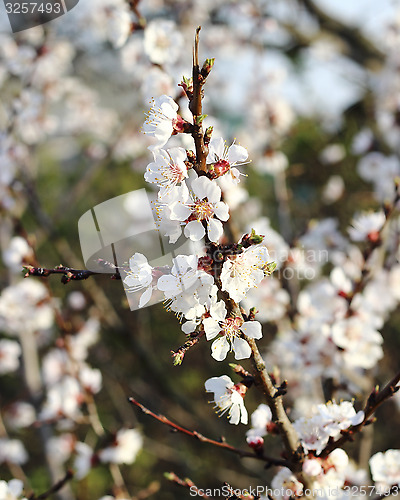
x: 204, y: 439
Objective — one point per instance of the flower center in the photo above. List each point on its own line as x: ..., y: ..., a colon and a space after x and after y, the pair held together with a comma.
x: 174, y: 173
x: 231, y: 327
x: 202, y: 209
x: 219, y: 168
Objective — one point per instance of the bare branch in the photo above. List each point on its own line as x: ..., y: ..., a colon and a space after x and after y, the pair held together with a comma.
x: 56, y: 487
x: 204, y: 439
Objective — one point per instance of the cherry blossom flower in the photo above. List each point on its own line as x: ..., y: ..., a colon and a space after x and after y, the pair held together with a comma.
x: 13, y: 451
x: 139, y: 277
x: 168, y: 168
x: 37, y: 313
x: 162, y: 41
x: 312, y: 466
x: 64, y: 399
x: 83, y: 461
x: 244, y: 271
x: 188, y: 289
x: 361, y: 343
x: 367, y: 226
x: 184, y: 274
x: 285, y: 485
x: 328, y: 421
x: 270, y: 299
x: 17, y: 250
x: 19, y: 415
x: 260, y: 419
x: 128, y: 442
x: 339, y: 417
x: 118, y: 26
x: 10, y: 351
x: 88, y: 335
x: 60, y: 447
x: 272, y: 163
x: 76, y: 300
x: 230, y: 330
x: 228, y: 397
x: 90, y: 378
x: 222, y: 159
x: 333, y: 189
x: 385, y: 468
x: 11, y: 490
x: 312, y: 433
x: 205, y: 203
x: 362, y: 141
x: 163, y: 121
x: 327, y: 473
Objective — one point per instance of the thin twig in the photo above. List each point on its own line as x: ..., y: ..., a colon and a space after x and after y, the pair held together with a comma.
x: 186, y: 483
x: 56, y: 487
x: 204, y: 439
x: 68, y: 274
x: 196, y: 109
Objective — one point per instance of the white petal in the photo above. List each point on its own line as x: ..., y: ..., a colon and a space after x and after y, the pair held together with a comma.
x: 218, y: 385
x: 237, y: 154
x: 220, y: 348
x: 146, y: 296
x: 189, y: 327
x: 177, y: 154
x: 234, y: 414
x: 203, y: 187
x: 169, y: 284
x: 194, y: 230
x: 216, y: 150
x: 15, y: 487
x: 252, y: 329
x: 179, y: 211
x: 218, y: 311
x: 137, y: 259
x: 221, y: 210
x: 211, y: 327
x: 214, y: 229
x: 241, y: 348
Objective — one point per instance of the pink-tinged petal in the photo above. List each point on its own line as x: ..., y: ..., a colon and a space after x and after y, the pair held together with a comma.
x: 252, y: 329
x: 146, y: 296
x: 221, y: 210
x: 220, y: 348
x: 211, y: 327
x: 237, y: 154
x: 194, y: 230
x: 241, y: 348
x: 179, y: 211
x: 214, y: 229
